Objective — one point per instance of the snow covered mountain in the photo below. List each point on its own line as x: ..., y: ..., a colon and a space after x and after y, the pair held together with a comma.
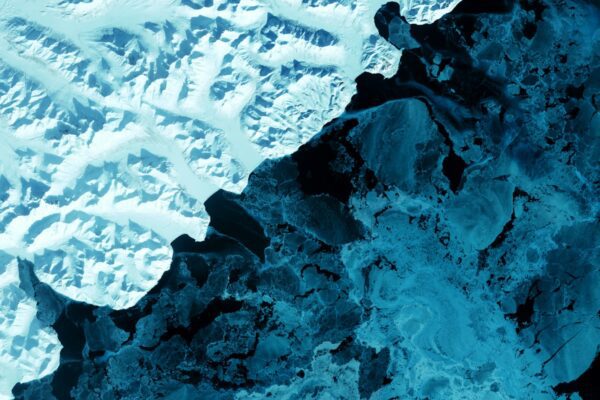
x: 28, y: 349
x: 119, y: 118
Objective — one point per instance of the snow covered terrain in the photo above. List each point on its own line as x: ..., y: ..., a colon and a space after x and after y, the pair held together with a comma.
x: 28, y: 350
x: 119, y: 118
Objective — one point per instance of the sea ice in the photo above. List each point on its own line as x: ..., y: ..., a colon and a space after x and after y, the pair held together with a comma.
x: 119, y: 118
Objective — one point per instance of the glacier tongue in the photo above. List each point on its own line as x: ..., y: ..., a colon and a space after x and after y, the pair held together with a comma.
x: 119, y: 118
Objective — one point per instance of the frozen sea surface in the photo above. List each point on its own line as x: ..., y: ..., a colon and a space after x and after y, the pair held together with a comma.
x: 119, y: 118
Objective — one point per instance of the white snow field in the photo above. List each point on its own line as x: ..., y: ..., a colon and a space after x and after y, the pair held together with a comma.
x: 28, y: 350
x: 119, y: 118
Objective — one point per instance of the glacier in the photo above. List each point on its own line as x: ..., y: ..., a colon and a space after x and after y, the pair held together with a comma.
x: 119, y: 118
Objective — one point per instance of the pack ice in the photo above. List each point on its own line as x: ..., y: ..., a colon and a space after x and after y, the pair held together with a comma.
x: 119, y: 118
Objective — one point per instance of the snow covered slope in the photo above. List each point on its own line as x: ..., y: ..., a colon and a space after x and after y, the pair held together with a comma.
x: 119, y: 118
x: 28, y: 350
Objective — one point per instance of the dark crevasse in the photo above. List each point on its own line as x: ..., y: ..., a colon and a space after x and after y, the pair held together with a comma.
x: 439, y: 240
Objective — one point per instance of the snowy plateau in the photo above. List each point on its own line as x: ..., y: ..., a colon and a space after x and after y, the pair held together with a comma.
x: 119, y: 118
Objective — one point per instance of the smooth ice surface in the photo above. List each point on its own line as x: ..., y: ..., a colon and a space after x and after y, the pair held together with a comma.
x: 118, y: 118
